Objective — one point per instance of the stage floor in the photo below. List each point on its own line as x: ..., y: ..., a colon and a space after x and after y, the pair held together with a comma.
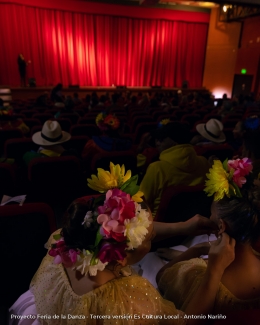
x: 13, y: 93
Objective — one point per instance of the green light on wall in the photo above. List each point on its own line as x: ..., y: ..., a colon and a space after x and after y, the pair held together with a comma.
x: 243, y: 71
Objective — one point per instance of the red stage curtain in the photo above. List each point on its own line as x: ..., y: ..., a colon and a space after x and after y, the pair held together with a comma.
x: 99, y: 50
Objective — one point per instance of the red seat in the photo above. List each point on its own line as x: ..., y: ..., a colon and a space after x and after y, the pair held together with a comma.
x: 29, y: 112
x: 31, y: 122
x: 174, y: 208
x: 140, y: 120
x: 143, y: 128
x: 16, y: 148
x: 43, y: 117
x: 65, y: 123
x: 180, y: 203
x: 127, y: 158
x: 85, y: 129
x: 12, y: 133
x: 7, y: 179
x: 76, y: 142
x: 71, y: 116
x: 54, y: 179
x: 190, y: 118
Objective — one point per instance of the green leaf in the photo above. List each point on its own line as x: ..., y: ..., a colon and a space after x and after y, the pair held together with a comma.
x: 99, y: 237
x: 57, y: 236
x: 131, y: 186
x: 98, y: 200
x: 225, y: 164
x: 237, y: 190
x: 94, y: 259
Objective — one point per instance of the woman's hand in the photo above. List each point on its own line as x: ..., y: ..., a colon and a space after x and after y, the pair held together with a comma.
x: 199, y: 225
x: 221, y: 254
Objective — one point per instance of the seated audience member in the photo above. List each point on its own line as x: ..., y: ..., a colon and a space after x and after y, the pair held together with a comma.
x: 146, y: 150
x: 178, y: 164
x: 56, y: 94
x: 110, y: 139
x: 66, y: 107
x: 251, y: 149
x: 250, y: 124
x: 236, y: 213
x: 209, y: 133
x: 76, y: 99
x: 42, y: 100
x: 49, y: 139
x: 86, y: 271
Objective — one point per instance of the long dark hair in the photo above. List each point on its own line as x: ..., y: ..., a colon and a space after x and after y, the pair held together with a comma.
x: 74, y: 233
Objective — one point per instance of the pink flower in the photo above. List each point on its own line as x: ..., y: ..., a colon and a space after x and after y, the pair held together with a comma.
x: 112, y: 252
x: 118, y: 205
x: 111, y: 228
x: 238, y: 179
x: 62, y: 255
x: 243, y: 165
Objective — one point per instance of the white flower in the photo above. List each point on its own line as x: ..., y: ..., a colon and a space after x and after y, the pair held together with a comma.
x: 88, y: 219
x: 83, y: 264
x: 136, y: 228
x: 97, y: 267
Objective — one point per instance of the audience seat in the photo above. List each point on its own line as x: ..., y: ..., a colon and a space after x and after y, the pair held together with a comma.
x: 55, y: 179
x: 31, y: 122
x: 23, y: 231
x: 127, y: 158
x: 143, y: 128
x: 7, y: 179
x: 88, y: 119
x: 36, y: 128
x: 180, y: 203
x: 222, y: 151
x: 85, y: 129
x: 29, y: 112
x: 12, y: 133
x: 76, y: 142
x: 140, y: 120
x: 65, y: 123
x: 72, y: 117
x: 43, y: 117
x: 16, y: 148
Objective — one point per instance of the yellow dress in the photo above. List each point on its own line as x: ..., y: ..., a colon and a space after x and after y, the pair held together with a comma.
x: 121, y: 301
x: 181, y: 281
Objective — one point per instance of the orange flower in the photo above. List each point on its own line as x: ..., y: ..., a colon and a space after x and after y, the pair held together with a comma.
x: 113, y: 121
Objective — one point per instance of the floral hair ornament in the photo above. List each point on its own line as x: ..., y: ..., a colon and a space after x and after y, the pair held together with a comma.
x: 106, y: 122
x: 163, y: 122
x: 226, y: 178
x: 122, y: 223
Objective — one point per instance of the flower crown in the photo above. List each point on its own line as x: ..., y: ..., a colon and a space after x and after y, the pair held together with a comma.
x: 122, y: 223
x: 227, y: 178
x: 106, y: 122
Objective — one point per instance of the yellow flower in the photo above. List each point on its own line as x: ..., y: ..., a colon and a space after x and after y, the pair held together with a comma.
x: 99, y: 118
x: 137, y: 197
x: 165, y: 121
x: 106, y: 180
x: 217, y: 182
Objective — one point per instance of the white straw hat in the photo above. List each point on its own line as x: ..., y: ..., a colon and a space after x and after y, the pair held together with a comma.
x: 50, y: 134
x: 212, y: 130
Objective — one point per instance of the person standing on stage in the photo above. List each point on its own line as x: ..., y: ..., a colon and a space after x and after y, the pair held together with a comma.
x: 22, y: 69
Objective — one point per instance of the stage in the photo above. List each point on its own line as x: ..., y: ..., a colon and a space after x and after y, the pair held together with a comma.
x: 14, y: 93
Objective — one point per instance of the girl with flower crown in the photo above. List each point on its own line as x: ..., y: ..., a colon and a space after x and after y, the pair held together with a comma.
x: 84, y: 278
x: 236, y: 212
